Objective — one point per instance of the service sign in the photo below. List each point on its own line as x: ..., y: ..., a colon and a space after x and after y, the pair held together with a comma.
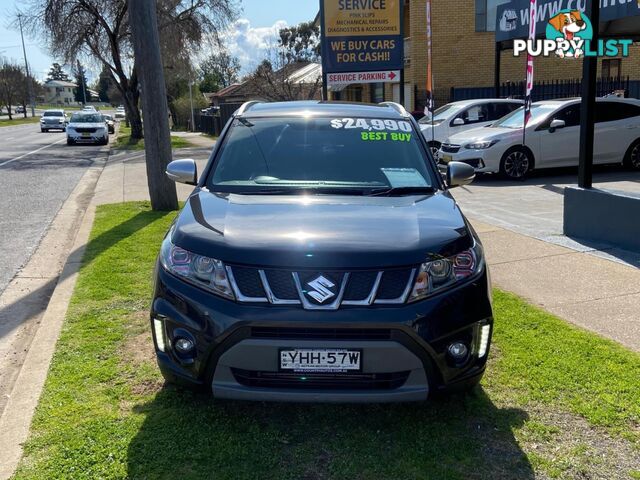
x: 335, y: 79
x: 361, y: 35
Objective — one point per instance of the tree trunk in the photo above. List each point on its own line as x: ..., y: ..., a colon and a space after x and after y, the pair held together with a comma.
x: 146, y: 45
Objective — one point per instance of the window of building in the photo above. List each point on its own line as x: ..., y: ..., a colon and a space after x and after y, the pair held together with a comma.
x: 377, y: 92
x: 486, y: 14
x: 611, y: 67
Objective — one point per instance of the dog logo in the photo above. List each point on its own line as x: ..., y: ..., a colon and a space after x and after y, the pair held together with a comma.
x: 509, y: 21
x: 321, y: 289
x: 570, y: 28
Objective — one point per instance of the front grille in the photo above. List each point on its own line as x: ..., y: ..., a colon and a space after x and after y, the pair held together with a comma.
x: 323, y: 381
x: 343, y: 288
x: 450, y: 148
x: 289, y: 333
x: 85, y: 130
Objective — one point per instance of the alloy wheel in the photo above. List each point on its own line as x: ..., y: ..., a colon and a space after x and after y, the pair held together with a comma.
x: 634, y: 158
x: 516, y: 165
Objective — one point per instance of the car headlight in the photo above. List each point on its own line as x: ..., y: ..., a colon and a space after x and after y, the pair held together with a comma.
x: 42, y: 120
x: 444, y: 272
x: 204, y: 272
x: 481, y: 145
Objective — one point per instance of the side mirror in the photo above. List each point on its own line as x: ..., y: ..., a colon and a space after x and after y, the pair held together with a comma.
x: 555, y: 124
x: 183, y: 171
x: 457, y: 122
x: 459, y: 174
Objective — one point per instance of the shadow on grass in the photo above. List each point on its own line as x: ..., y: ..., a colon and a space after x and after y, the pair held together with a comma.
x: 459, y: 437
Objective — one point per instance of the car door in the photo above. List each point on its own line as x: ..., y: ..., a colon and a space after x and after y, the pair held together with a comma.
x: 617, y: 126
x: 560, y: 147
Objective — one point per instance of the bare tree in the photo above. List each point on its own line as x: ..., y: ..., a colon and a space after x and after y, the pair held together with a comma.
x: 99, y: 29
x: 12, y: 86
x: 280, y: 79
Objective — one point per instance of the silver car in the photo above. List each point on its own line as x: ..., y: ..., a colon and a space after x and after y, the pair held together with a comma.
x: 53, y: 120
x: 86, y: 127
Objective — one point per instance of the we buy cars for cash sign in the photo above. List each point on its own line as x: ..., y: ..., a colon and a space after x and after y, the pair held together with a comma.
x: 361, y: 35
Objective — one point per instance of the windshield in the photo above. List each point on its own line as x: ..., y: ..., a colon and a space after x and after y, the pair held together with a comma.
x: 86, y: 118
x: 350, y: 155
x: 107, y: 117
x: 515, y: 119
x: 441, y: 114
x: 53, y: 114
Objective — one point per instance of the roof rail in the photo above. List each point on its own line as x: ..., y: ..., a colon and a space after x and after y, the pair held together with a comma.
x: 246, y: 106
x: 397, y: 107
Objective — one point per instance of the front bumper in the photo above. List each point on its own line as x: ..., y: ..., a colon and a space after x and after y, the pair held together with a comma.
x: 404, y: 348
x: 483, y: 161
x: 92, y: 137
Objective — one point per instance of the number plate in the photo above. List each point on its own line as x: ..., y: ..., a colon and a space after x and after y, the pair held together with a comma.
x: 446, y: 158
x: 86, y: 135
x: 320, y: 360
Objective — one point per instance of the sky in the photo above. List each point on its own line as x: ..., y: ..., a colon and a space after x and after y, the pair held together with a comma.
x: 247, y: 39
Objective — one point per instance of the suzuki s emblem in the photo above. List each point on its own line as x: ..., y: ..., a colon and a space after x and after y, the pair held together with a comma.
x: 320, y: 289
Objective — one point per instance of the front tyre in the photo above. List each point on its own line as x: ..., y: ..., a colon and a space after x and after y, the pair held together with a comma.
x: 632, y: 157
x: 516, y: 163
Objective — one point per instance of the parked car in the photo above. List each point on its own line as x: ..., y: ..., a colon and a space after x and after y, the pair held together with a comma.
x: 321, y: 258
x: 120, y: 113
x: 551, y: 139
x: 111, y: 124
x: 20, y: 109
x: 89, y: 109
x: 53, y: 120
x: 464, y: 115
x: 87, y: 127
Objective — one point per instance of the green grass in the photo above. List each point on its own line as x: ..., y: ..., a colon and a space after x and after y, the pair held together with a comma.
x: 125, y: 142
x: 18, y: 120
x: 551, y: 396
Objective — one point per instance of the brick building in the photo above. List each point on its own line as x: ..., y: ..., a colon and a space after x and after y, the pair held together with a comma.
x: 463, y: 53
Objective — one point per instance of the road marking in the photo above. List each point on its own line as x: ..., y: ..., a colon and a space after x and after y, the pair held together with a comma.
x: 32, y: 152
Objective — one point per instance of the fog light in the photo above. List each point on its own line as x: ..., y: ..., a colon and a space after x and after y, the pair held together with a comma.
x: 183, y: 345
x: 458, y: 351
x: 484, y: 340
x: 159, y: 334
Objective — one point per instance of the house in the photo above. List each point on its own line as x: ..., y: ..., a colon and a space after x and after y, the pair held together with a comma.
x: 59, y: 92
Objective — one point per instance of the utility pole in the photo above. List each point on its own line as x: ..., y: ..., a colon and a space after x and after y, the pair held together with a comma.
x: 148, y: 63
x: 193, y: 122
x: 26, y: 66
x: 84, y: 91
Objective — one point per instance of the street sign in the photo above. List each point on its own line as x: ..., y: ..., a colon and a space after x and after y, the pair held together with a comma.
x: 361, y: 35
x: 334, y: 79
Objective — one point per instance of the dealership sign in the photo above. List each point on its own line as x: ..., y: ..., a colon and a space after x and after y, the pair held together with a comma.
x: 363, y: 77
x: 361, y: 36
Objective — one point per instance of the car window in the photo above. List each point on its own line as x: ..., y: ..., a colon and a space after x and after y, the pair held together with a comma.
x: 515, y: 119
x: 475, y: 114
x: 319, y: 152
x: 52, y: 114
x: 570, y: 115
x: 499, y: 110
x: 613, y: 111
x: 86, y: 118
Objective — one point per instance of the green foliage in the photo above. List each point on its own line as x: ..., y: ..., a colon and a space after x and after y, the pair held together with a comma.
x: 218, y: 70
x: 301, y: 42
x: 181, y: 107
x: 56, y: 72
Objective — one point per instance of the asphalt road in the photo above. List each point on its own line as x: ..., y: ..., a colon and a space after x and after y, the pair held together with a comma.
x: 38, y: 171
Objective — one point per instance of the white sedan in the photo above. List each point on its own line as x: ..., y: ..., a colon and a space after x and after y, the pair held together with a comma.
x: 551, y: 140
x: 87, y: 127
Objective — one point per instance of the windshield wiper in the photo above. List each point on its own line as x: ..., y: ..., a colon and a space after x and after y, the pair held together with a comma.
x: 387, y: 192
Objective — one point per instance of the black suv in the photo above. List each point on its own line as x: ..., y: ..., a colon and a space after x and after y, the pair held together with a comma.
x: 321, y: 257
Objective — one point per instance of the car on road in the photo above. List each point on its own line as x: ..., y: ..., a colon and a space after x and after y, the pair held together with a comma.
x: 321, y: 257
x: 87, y: 127
x: 53, y: 120
x: 464, y: 115
x: 111, y: 124
x: 89, y: 108
x: 120, y: 113
x: 551, y: 138
x: 20, y: 109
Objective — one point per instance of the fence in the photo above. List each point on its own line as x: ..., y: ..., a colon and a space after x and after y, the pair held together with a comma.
x: 213, y: 124
x: 548, y: 90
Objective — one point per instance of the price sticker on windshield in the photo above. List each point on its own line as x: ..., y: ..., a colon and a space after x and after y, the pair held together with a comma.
x: 371, y: 124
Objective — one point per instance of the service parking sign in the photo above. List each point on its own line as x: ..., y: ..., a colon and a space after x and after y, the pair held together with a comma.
x: 361, y: 35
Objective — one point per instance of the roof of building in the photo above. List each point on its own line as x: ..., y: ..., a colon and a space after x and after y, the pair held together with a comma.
x: 318, y: 107
x: 59, y: 83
